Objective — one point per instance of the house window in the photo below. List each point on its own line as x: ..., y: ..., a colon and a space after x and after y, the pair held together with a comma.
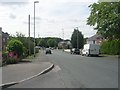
x: 3, y: 39
x: 98, y: 38
x: 93, y: 41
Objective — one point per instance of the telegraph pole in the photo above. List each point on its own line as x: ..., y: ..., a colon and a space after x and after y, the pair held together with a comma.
x: 63, y: 39
x: 63, y: 33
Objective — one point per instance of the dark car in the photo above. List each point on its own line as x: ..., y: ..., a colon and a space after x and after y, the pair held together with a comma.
x: 75, y: 51
x: 48, y: 51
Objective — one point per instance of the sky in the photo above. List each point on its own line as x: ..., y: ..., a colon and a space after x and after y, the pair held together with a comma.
x: 54, y: 18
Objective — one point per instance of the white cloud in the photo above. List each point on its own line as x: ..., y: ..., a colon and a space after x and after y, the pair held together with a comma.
x: 51, y: 17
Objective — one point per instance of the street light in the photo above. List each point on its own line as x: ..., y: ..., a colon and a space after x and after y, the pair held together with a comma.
x: 34, y: 25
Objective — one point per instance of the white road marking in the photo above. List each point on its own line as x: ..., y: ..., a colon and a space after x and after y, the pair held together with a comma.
x: 56, y: 68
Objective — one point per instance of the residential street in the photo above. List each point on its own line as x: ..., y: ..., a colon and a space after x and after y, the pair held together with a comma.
x: 76, y: 71
x: 60, y: 44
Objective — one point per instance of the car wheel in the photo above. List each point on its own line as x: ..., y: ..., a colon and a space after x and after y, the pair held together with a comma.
x: 87, y: 54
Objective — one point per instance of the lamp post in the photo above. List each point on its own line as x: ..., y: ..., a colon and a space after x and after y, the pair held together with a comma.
x: 34, y: 25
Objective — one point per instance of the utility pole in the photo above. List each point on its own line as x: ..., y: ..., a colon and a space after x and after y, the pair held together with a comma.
x: 38, y: 35
x: 63, y: 39
x: 63, y: 33
x: 59, y: 37
x: 29, y: 32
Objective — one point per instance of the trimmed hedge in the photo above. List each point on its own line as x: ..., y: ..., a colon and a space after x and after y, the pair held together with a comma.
x: 111, y: 47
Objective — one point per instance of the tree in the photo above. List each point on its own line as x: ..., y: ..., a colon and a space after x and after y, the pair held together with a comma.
x: 105, y: 16
x: 42, y: 43
x: 48, y: 41
x: 51, y: 43
x: 77, y: 39
x: 25, y: 40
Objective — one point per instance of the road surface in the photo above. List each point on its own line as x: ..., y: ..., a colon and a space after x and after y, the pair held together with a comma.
x: 76, y: 71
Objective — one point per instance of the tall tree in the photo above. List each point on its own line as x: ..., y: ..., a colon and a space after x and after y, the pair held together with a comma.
x: 105, y: 16
x: 51, y: 43
x: 42, y: 43
x: 77, y: 39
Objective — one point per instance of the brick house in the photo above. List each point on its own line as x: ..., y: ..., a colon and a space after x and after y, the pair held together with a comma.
x: 5, y: 38
x: 66, y: 44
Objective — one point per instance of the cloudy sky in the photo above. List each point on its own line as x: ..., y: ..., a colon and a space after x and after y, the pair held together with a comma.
x: 53, y: 17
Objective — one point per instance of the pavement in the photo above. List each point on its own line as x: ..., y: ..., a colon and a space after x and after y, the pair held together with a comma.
x: 25, y: 70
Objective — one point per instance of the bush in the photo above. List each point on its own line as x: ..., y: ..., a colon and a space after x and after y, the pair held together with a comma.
x: 25, y: 52
x: 31, y: 47
x: 15, y: 46
x: 4, y: 57
x: 111, y: 47
x: 11, y: 60
x: 36, y: 50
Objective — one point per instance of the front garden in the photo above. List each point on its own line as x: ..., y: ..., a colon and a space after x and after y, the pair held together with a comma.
x: 17, y: 48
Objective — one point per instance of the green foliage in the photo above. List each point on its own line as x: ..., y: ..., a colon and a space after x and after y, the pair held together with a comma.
x: 36, y: 50
x: 11, y: 61
x: 4, y: 56
x: 42, y: 43
x: 77, y: 36
x: 26, y: 41
x: 25, y: 52
x: 31, y: 47
x: 111, y: 47
x: 51, y: 43
x: 15, y: 45
x: 48, y: 42
x: 106, y: 17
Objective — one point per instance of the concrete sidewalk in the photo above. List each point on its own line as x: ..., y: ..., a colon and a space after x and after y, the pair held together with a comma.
x: 25, y: 70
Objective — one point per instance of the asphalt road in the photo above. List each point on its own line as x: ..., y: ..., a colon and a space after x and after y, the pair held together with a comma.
x: 76, y: 71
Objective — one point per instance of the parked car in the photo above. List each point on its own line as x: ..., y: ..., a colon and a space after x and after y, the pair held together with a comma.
x: 75, y: 51
x: 91, y: 49
x: 48, y: 51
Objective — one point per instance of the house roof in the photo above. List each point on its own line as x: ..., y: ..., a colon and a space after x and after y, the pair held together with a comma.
x: 5, y: 34
x: 94, y: 37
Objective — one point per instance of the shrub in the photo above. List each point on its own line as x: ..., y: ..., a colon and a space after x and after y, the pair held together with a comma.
x: 11, y: 60
x: 36, y: 50
x: 4, y: 57
x: 15, y: 46
x: 111, y: 47
x: 25, y: 52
